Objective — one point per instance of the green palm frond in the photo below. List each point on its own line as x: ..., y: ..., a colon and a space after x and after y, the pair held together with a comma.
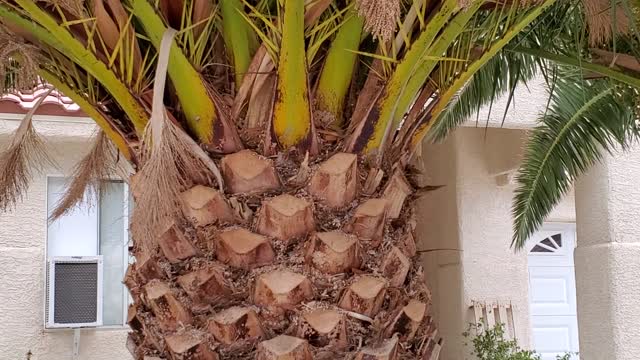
x: 584, y: 121
x: 500, y: 76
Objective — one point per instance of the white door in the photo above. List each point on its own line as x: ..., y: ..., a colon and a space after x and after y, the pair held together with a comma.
x: 552, y: 291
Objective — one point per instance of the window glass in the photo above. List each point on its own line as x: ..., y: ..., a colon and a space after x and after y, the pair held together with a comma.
x: 74, y: 234
x: 112, y: 249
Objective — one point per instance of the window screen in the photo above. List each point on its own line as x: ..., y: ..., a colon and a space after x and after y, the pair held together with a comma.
x: 75, y: 293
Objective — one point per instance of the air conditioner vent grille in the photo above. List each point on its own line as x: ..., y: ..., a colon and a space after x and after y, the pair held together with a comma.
x: 75, y: 293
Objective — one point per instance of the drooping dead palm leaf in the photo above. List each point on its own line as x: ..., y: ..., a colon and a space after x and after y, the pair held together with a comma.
x: 87, y: 184
x: 605, y: 21
x: 26, y: 155
x: 171, y: 161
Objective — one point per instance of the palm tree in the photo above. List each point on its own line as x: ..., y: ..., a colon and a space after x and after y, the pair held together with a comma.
x: 274, y: 215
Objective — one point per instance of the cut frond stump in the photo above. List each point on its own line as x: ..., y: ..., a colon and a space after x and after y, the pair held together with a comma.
x: 333, y: 252
x: 396, y: 193
x: 146, y: 267
x: 132, y: 317
x: 205, y: 285
x: 131, y: 282
x: 286, y: 217
x: 408, y: 320
x: 235, y: 324
x: 408, y: 245
x: 388, y: 350
x: 323, y: 327
x: 165, y: 306
x: 282, y: 288
x: 174, y: 244
x: 374, y: 178
x: 243, y: 249
x: 153, y: 338
x: 284, y: 347
x: 395, y: 267
x: 365, y: 296
x: 247, y: 172
x: 206, y: 206
x: 189, y: 346
x: 369, y: 221
x: 335, y: 181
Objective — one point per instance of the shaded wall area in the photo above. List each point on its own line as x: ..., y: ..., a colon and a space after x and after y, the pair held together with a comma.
x: 465, y: 230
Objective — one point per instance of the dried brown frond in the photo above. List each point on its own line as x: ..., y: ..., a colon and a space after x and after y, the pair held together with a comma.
x: 379, y: 16
x: 74, y: 7
x: 19, y: 63
x: 88, y: 177
x: 26, y: 153
x: 170, y: 165
x: 599, y: 16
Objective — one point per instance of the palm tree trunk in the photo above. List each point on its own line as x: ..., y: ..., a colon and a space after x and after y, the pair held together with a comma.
x: 320, y: 265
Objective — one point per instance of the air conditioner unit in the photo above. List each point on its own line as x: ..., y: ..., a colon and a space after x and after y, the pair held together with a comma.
x: 74, y: 292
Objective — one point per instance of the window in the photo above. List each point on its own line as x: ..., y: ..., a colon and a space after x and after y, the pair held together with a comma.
x: 548, y: 245
x: 95, y: 230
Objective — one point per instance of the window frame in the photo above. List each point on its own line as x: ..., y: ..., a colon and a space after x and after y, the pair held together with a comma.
x: 125, y: 249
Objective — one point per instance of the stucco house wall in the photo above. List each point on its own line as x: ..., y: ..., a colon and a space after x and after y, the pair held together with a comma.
x: 22, y: 259
x: 467, y: 230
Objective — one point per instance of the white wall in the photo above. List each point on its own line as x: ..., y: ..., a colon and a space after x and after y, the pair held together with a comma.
x: 472, y: 214
x: 22, y: 264
x: 607, y: 258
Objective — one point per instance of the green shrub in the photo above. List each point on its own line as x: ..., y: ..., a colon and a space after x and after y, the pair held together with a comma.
x: 490, y: 344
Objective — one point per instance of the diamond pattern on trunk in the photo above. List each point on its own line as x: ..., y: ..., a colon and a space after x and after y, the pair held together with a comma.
x: 175, y: 246
x: 365, y: 295
x: 282, y: 288
x: 333, y: 252
x: 395, y: 267
x: 323, y: 327
x: 247, y: 172
x: 205, y: 285
x: 408, y: 319
x: 165, y: 306
x: 335, y: 181
x: 241, y: 248
x: 190, y: 346
x: 396, y: 193
x: 368, y: 221
x: 206, y: 206
x: 286, y: 217
x: 284, y: 347
x: 292, y: 269
x: 235, y: 324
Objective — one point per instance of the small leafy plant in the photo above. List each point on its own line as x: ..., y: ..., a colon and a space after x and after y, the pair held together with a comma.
x: 490, y: 344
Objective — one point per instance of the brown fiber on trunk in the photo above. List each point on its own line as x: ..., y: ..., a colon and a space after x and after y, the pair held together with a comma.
x: 284, y: 269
